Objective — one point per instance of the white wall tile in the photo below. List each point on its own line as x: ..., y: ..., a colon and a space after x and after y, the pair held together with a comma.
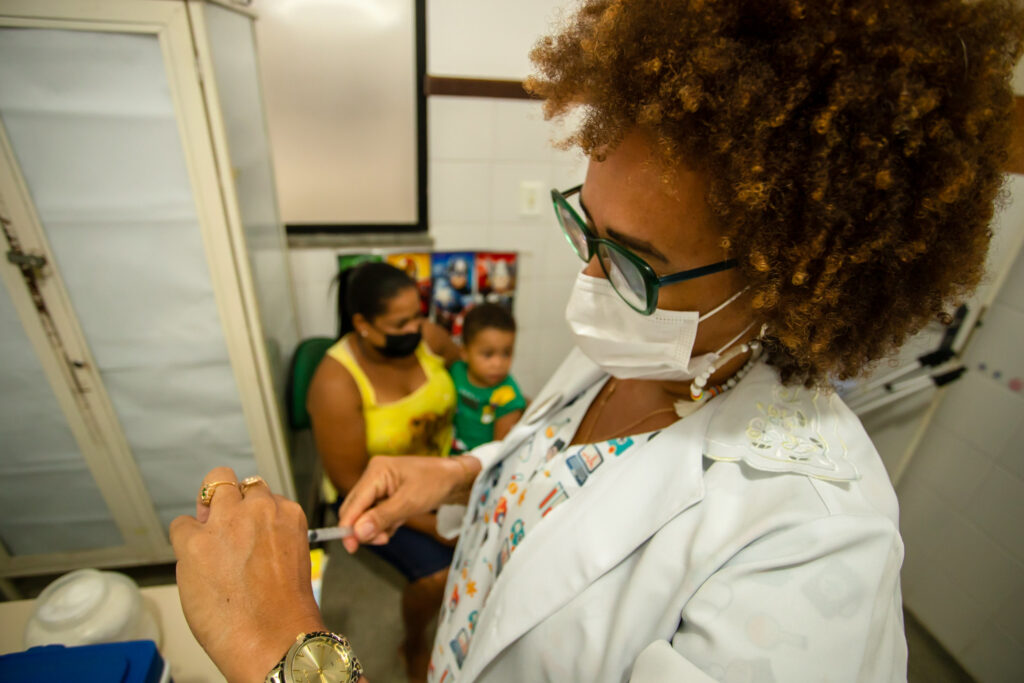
x: 461, y: 128
x: 1007, y: 229
x: 894, y: 427
x: 995, y: 350
x: 528, y: 294
x: 1012, y: 455
x: 997, y: 508
x: 459, y: 192
x: 951, y: 466
x: 527, y: 236
x: 923, y: 519
x: 1013, y: 286
x: 458, y: 236
x: 952, y: 616
x: 317, y: 310
x: 499, y: 40
x: 569, y: 169
x: 561, y: 263
x: 994, y: 657
x: 1010, y: 617
x: 521, y: 133
x: 978, y: 409
x: 312, y: 265
x: 979, y: 564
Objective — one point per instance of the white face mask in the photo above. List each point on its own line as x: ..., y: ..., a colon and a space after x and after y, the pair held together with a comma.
x: 628, y: 345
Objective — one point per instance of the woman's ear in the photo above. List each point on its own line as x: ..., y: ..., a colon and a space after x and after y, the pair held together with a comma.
x: 360, y: 324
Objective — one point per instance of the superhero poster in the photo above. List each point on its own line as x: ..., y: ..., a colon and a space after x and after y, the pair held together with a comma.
x: 416, y: 266
x: 496, y: 278
x: 453, y: 285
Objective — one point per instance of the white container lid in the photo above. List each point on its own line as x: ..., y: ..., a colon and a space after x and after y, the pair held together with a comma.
x: 89, y: 606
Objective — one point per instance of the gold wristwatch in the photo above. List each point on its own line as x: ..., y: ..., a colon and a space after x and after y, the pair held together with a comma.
x: 317, y: 656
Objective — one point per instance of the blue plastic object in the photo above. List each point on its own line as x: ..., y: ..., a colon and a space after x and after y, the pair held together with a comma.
x: 136, y: 661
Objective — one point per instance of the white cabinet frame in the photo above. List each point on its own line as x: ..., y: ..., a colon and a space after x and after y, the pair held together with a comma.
x: 180, y: 29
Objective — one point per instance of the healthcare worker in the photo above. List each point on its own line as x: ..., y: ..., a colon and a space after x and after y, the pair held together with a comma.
x: 778, y: 194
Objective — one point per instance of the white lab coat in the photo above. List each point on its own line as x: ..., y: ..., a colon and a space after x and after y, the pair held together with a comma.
x: 755, y: 540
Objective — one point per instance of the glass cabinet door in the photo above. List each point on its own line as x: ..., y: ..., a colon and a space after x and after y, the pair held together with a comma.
x: 49, y: 501
x: 91, y: 119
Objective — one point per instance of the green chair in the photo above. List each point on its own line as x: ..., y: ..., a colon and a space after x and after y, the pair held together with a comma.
x: 307, y: 357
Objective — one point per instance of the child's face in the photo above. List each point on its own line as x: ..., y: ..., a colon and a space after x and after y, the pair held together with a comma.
x: 489, y: 356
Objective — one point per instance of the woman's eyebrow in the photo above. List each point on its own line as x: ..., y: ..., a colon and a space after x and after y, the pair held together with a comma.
x: 632, y: 243
x: 405, y: 321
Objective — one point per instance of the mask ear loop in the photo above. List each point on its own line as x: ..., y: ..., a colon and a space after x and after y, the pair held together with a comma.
x: 728, y: 301
x: 697, y: 392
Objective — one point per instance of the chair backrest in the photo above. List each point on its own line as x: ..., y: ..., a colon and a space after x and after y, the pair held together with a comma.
x: 305, y: 360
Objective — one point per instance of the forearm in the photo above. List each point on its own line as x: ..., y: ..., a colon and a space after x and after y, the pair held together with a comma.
x: 344, y: 472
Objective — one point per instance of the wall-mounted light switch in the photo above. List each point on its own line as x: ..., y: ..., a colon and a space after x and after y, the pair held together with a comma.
x: 530, y: 198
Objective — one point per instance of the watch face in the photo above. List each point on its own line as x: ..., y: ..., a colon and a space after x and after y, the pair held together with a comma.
x: 320, y: 660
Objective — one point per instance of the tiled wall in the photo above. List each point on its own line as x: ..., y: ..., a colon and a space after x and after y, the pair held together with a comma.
x: 481, y: 150
x: 480, y: 153
x: 962, y: 499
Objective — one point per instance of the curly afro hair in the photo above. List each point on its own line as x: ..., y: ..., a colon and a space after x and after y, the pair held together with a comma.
x: 852, y: 147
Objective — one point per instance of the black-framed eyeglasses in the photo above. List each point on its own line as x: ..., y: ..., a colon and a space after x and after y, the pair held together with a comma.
x: 631, y: 277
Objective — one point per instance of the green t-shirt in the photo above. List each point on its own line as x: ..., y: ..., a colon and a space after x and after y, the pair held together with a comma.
x: 479, y: 407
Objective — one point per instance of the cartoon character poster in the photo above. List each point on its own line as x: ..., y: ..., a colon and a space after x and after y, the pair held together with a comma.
x: 452, y: 277
x: 496, y: 278
x: 416, y: 266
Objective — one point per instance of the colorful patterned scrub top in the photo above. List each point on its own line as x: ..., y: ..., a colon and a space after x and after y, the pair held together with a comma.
x: 520, y: 491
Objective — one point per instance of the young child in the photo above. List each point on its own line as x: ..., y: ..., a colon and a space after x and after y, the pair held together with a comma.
x: 489, y: 401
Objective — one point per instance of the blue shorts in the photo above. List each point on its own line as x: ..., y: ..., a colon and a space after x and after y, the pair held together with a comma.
x: 413, y: 553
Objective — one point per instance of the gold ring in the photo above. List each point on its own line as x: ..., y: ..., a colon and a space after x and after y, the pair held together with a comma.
x: 249, y: 482
x: 206, y: 492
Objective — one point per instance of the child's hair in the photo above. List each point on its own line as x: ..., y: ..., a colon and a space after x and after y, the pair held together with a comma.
x: 486, y: 316
x: 366, y: 289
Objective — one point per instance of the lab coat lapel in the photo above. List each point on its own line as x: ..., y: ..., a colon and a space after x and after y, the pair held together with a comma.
x: 593, y: 532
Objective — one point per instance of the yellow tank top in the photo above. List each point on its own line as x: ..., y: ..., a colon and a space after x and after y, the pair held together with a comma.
x: 417, y: 424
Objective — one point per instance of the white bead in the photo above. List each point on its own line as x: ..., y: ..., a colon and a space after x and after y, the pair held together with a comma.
x: 700, y: 381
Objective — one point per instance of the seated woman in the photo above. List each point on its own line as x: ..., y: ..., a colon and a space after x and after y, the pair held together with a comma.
x: 383, y: 389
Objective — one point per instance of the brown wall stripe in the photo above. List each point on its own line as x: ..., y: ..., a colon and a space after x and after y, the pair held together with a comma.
x: 1015, y: 164
x: 475, y: 87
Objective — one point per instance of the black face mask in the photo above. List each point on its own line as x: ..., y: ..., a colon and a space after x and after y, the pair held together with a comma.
x: 399, y: 345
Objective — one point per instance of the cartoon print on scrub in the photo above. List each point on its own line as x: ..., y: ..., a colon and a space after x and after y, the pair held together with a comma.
x: 502, y: 558
x: 555, y: 497
x: 460, y: 646
x: 524, y: 450
x: 499, y: 511
x: 555, y: 427
x: 484, y: 555
x: 517, y: 533
x: 619, y: 446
